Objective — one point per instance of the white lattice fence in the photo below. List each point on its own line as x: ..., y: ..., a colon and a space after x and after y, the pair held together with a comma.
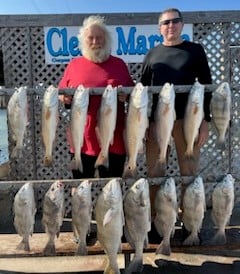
x: 24, y: 64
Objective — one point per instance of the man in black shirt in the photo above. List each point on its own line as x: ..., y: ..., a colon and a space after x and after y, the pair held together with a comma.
x: 178, y: 62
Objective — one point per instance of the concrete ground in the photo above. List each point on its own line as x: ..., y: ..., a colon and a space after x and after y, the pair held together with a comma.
x: 177, y: 263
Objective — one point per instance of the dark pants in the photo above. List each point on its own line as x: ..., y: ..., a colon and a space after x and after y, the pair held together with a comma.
x: 115, y: 169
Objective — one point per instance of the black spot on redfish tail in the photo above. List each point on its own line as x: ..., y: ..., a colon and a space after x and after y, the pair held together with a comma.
x: 47, y: 161
x: 129, y: 172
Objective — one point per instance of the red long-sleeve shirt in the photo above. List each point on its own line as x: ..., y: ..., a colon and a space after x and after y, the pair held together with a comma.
x: 83, y: 71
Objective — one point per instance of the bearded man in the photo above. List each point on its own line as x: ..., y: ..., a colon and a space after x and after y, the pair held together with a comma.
x: 97, y: 68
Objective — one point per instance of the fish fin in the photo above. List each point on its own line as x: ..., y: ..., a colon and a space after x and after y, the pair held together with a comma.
x: 76, y: 165
x: 138, y: 115
x: 164, y: 249
x: 47, y: 161
x: 128, y: 237
x: 125, y: 141
x: 129, y: 172
x: 23, y: 245
x: 17, y: 152
x: 48, y: 114
x: 141, y: 148
x: 221, y: 145
x: 166, y: 109
x: 158, y: 170
x: 219, y: 238
x: 192, y: 239
x: 81, y: 250
x: 108, y: 217
x: 195, y: 109
x: 119, y: 249
x: 73, y: 190
x: 135, y: 266
x: 49, y: 249
x: 123, y: 219
x: 189, y: 154
x: 97, y: 131
x: 102, y: 160
x: 146, y: 242
x: 73, y: 164
x: 108, y: 111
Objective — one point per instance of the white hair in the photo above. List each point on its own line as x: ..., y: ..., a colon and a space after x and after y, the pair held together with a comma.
x: 95, y: 20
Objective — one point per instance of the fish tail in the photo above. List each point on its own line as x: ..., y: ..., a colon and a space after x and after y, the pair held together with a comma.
x: 221, y: 144
x: 102, y: 160
x: 219, y: 238
x: 129, y: 172
x: 135, y: 266
x: 112, y: 266
x: 23, y: 245
x: 49, y: 248
x: 76, y: 164
x: 158, y: 169
x: 81, y: 250
x: 17, y: 152
x: 192, y: 239
x: 189, y: 153
x: 164, y: 249
x: 47, y: 161
x: 4, y: 169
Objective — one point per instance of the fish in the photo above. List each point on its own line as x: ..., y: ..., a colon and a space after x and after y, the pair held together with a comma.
x: 221, y: 111
x: 50, y: 117
x: 106, y: 124
x: 78, y: 121
x: 222, y: 207
x: 194, y: 206
x: 24, y: 208
x: 53, y: 213
x: 136, y: 126
x: 164, y: 120
x: 166, y: 207
x: 109, y: 217
x: 17, y: 110
x: 4, y: 170
x: 82, y: 214
x: 193, y: 116
x: 137, y: 212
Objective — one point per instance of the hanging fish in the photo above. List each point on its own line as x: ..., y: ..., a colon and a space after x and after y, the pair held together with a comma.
x: 221, y: 112
x: 49, y: 122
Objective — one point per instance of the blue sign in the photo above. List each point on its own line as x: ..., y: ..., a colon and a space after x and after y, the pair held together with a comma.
x: 130, y: 43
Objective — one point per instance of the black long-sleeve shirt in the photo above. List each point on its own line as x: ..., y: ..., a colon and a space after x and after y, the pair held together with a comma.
x: 178, y: 65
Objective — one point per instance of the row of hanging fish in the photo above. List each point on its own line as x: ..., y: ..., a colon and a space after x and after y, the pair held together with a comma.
x: 136, y: 121
x: 129, y: 215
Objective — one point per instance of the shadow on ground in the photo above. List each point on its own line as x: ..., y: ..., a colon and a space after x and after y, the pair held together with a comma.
x: 171, y: 267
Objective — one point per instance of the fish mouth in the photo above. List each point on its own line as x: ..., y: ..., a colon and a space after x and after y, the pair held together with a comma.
x: 59, y: 184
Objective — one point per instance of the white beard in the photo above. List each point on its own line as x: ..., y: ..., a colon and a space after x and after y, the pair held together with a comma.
x: 96, y: 55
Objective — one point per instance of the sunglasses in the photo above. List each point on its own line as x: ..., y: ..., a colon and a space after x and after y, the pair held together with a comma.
x: 174, y: 21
